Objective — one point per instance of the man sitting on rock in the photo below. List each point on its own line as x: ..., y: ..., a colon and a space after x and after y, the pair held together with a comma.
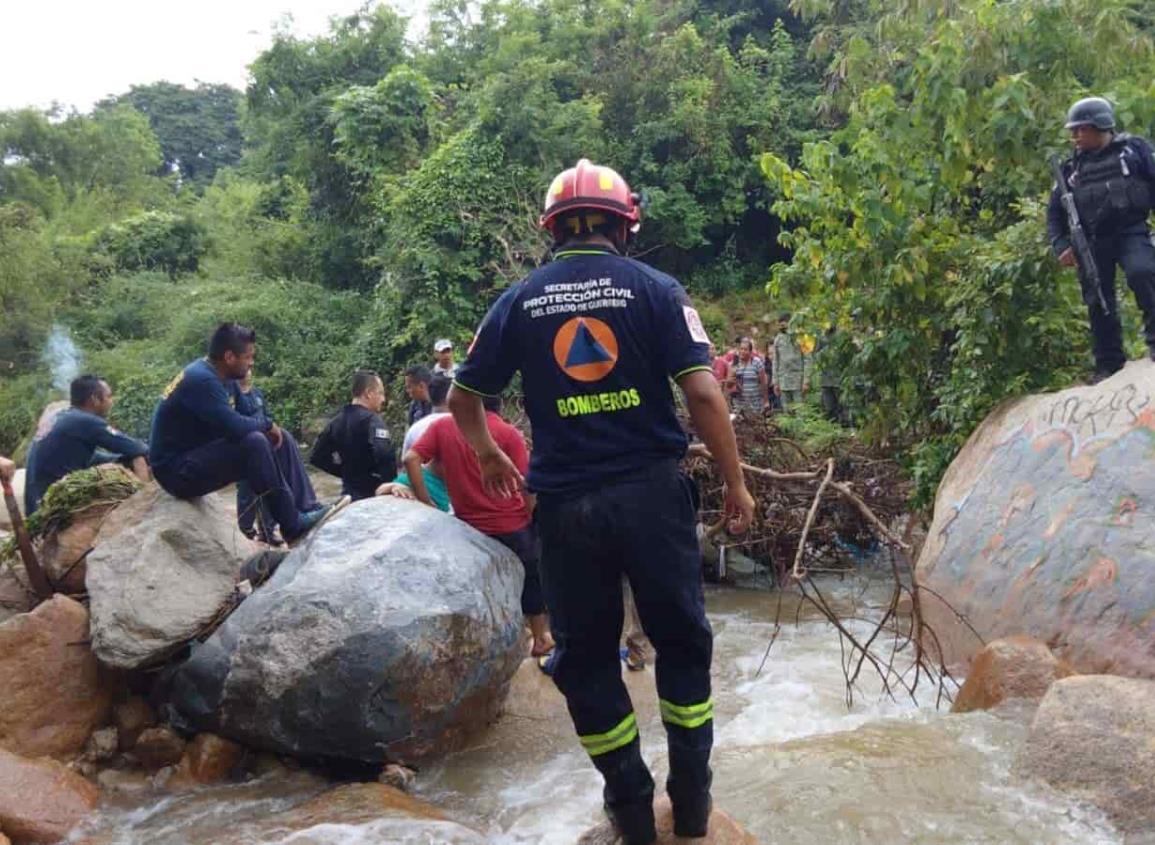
x: 81, y: 437
x: 200, y: 443
x: 355, y: 446
x: 507, y: 520
x: 254, y: 518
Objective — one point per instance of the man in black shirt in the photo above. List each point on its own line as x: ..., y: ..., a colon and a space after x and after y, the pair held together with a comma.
x: 355, y: 446
x: 417, y: 379
x: 81, y: 437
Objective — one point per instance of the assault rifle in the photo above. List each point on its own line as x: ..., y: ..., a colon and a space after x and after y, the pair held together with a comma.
x: 1088, y: 270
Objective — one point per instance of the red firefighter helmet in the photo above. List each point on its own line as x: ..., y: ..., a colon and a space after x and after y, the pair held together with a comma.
x: 590, y: 186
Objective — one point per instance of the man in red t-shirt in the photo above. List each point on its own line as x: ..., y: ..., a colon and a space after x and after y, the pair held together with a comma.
x: 507, y: 520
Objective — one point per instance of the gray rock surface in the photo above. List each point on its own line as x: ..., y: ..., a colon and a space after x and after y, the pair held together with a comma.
x: 391, y: 634
x: 161, y: 570
x: 1043, y: 526
x: 1094, y: 736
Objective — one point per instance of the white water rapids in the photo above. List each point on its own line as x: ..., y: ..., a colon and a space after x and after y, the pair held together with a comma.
x: 791, y: 763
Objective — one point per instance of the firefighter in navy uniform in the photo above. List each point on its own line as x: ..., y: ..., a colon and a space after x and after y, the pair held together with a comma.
x: 597, y: 338
x: 1112, y: 177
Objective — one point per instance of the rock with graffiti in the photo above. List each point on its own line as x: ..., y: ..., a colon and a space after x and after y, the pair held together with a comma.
x: 1043, y: 526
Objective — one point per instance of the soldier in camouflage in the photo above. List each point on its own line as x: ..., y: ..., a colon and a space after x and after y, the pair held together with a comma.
x: 791, y: 370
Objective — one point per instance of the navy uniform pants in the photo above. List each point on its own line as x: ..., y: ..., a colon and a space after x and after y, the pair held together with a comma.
x: 642, y: 526
x: 250, y: 507
x: 222, y: 462
x: 1134, y: 252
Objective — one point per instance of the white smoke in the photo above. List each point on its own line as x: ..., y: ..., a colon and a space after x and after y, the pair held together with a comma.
x: 62, y: 357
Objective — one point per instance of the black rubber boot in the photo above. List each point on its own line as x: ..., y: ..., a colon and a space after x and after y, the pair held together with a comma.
x: 629, y: 793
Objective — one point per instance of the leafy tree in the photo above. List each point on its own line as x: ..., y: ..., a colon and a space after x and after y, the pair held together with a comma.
x: 198, y: 128
x: 154, y: 240
x: 917, y: 224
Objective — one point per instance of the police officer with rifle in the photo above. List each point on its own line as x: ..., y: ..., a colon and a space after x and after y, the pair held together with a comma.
x: 1097, y: 219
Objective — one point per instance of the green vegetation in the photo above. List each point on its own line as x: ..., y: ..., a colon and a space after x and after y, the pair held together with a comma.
x: 881, y: 164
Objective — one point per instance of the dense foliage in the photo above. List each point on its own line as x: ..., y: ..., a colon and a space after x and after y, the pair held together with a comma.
x: 882, y: 163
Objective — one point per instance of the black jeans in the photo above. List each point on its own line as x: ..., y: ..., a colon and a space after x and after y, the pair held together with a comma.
x: 525, y: 545
x: 1134, y: 252
x: 641, y: 526
x: 222, y: 462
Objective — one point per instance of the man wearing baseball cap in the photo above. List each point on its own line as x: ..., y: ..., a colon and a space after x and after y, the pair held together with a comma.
x: 443, y: 354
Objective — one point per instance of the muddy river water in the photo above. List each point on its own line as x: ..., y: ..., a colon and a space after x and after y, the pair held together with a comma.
x: 791, y: 762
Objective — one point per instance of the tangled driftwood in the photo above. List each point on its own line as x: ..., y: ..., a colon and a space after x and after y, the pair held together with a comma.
x: 812, y: 509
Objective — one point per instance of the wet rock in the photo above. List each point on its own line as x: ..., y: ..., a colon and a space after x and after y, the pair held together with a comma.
x: 386, y: 808
x: 158, y: 747
x: 723, y: 830
x: 209, y: 759
x: 1042, y: 526
x: 131, y: 717
x: 18, y: 489
x: 1013, y: 667
x: 41, y: 800
x: 161, y: 570
x: 102, y: 745
x: 1094, y: 736
x: 53, y: 693
x: 398, y: 777
x: 391, y: 634
x: 16, y: 596
x: 124, y: 782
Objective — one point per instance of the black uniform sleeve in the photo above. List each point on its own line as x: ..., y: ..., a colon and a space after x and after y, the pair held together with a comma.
x: 492, y: 359
x: 382, y: 449
x: 322, y: 455
x: 1057, y: 222
x: 1146, y: 158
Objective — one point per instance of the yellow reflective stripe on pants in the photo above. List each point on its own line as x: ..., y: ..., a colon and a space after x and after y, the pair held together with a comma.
x: 688, y: 715
x: 622, y: 734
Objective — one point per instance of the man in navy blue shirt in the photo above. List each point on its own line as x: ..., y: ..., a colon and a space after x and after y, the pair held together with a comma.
x: 598, y: 338
x: 200, y: 443
x: 81, y: 437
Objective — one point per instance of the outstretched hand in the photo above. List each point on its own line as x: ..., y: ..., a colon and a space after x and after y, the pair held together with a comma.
x: 7, y: 469
x: 499, y: 476
x: 1067, y: 257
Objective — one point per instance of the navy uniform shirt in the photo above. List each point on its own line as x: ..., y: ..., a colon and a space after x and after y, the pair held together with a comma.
x: 72, y: 445
x: 196, y: 409
x: 597, y: 338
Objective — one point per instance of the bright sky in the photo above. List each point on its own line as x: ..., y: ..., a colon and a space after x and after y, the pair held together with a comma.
x: 78, y: 51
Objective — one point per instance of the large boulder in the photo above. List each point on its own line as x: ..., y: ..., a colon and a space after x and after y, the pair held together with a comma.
x: 41, y: 800
x: 1043, y: 526
x: 392, y: 633
x: 1017, y: 667
x: 53, y: 693
x: 1094, y: 736
x: 161, y: 572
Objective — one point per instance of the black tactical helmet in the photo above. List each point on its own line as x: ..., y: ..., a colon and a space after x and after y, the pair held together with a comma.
x: 1094, y: 111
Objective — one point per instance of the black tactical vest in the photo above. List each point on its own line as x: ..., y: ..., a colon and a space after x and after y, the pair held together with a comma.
x: 1109, y: 192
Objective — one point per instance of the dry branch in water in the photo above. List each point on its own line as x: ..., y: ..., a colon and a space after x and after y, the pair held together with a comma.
x: 804, y: 511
